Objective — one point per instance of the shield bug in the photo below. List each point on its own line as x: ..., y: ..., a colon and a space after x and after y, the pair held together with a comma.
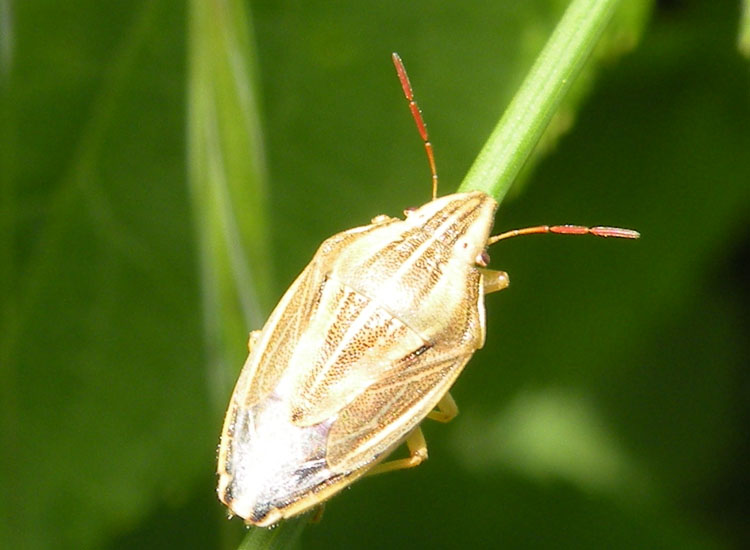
x: 363, y: 346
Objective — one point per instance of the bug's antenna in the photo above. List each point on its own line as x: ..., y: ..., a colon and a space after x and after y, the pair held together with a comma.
x: 598, y: 231
x: 417, y: 114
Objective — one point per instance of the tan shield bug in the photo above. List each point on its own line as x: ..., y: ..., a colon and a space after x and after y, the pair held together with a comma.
x: 363, y: 346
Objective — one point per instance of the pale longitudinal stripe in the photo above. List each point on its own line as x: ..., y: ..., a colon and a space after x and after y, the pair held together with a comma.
x: 322, y: 376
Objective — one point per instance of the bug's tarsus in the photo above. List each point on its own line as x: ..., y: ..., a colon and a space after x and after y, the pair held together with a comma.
x: 597, y: 231
x: 417, y: 114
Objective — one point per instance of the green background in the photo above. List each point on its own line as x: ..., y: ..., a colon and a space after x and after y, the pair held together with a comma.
x: 609, y: 408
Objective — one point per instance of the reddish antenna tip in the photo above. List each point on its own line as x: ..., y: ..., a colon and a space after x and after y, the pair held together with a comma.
x: 402, y: 76
x: 618, y: 232
x: 598, y: 231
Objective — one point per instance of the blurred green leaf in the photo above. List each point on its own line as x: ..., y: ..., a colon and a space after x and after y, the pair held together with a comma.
x: 108, y: 431
x: 227, y: 182
x: 743, y: 41
x: 103, y: 392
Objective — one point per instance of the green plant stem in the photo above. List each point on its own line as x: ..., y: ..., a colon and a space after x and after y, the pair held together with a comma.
x: 523, y: 123
x: 285, y: 536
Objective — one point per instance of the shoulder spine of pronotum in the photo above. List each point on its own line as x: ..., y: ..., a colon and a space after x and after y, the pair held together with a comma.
x: 362, y: 347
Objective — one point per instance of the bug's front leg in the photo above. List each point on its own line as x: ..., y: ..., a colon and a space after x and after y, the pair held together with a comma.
x: 417, y: 454
x: 492, y: 280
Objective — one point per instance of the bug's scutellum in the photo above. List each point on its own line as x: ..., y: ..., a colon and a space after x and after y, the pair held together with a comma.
x: 362, y: 347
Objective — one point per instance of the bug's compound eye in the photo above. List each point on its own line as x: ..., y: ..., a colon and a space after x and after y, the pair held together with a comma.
x: 409, y: 211
x: 483, y: 259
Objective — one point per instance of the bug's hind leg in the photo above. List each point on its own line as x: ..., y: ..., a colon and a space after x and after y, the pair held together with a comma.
x: 417, y: 454
x: 492, y: 280
x: 446, y: 409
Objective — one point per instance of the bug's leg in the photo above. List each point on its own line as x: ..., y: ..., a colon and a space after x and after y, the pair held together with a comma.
x: 253, y: 339
x: 492, y: 280
x: 417, y: 454
x: 446, y: 409
x: 317, y: 513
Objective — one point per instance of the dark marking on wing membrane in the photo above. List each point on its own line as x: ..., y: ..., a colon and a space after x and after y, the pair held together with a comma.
x: 416, y: 353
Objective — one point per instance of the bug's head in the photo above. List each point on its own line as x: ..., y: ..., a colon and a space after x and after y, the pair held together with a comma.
x: 462, y: 221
